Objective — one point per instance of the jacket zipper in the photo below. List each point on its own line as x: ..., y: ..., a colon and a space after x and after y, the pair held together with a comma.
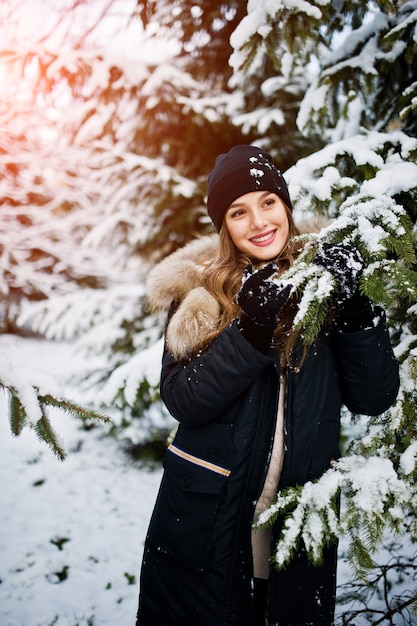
x: 227, y: 605
x: 287, y: 430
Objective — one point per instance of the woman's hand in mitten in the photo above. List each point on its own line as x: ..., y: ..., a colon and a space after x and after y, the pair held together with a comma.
x: 346, y: 265
x: 354, y: 312
x: 260, y: 298
x: 261, y: 301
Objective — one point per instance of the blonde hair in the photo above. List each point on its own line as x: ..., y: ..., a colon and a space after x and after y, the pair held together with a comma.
x: 222, y: 277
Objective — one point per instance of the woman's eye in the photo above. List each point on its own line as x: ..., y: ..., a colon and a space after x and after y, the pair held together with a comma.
x: 269, y: 202
x: 237, y: 213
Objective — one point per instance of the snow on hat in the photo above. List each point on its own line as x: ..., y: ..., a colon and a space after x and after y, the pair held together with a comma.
x: 241, y: 170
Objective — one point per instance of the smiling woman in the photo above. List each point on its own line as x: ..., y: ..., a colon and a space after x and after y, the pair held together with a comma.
x: 257, y: 413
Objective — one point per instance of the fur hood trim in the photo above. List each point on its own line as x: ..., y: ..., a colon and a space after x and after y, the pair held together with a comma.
x: 178, y: 278
x: 180, y: 272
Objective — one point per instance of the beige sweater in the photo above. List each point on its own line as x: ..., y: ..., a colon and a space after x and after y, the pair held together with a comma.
x: 261, y: 537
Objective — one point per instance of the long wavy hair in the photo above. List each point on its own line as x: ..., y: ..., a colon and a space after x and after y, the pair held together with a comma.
x: 222, y: 277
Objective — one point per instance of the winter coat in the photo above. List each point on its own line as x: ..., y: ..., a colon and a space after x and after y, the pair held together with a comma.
x: 197, y: 564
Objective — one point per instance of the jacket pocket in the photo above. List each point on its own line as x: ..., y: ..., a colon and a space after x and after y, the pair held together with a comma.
x: 186, y: 507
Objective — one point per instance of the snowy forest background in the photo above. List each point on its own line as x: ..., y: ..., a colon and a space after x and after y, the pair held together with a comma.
x: 112, y: 114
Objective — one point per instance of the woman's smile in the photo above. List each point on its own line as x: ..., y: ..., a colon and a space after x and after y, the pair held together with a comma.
x: 265, y: 239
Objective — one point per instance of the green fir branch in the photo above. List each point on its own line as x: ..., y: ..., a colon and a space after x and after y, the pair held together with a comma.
x: 314, y: 320
x: 388, y: 282
x: 45, y: 433
x: 384, y: 235
x: 390, y: 264
x: 74, y: 409
x: 309, y: 514
x: 359, y: 558
x: 17, y: 415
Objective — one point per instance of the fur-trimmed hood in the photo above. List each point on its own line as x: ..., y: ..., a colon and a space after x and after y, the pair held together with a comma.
x: 178, y: 278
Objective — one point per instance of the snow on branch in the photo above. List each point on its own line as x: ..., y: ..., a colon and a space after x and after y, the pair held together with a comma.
x: 369, y: 214
x: 367, y: 164
x: 128, y: 378
x: 375, y: 496
x: 267, y: 23
x: 31, y: 393
x: 101, y: 311
x: 383, y: 233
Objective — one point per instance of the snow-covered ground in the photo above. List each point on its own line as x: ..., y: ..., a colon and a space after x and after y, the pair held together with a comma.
x: 71, y: 533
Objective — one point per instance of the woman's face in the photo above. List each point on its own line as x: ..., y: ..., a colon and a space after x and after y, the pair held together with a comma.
x: 258, y: 224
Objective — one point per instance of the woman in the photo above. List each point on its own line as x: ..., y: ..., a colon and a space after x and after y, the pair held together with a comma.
x: 257, y: 412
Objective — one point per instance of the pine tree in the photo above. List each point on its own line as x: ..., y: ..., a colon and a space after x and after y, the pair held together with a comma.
x: 99, y: 150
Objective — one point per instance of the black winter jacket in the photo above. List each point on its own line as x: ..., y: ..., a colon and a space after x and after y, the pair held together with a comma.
x: 197, y: 566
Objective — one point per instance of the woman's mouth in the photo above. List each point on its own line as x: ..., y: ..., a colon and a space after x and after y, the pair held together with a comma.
x: 264, y: 239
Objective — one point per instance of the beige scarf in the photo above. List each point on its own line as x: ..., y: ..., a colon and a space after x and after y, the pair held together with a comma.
x: 261, y: 537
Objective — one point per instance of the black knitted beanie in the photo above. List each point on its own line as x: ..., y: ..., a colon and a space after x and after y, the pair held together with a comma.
x: 241, y: 170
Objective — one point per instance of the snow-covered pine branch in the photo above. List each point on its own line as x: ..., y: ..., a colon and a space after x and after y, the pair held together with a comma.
x: 31, y: 392
x: 374, y: 496
x: 101, y: 311
x: 369, y: 164
x: 123, y: 344
x: 383, y: 233
x: 359, y: 80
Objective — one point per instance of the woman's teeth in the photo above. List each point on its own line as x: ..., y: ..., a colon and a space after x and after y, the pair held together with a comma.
x: 261, y: 239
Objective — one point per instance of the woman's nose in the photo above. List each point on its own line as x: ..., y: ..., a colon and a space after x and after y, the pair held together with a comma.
x: 258, y: 220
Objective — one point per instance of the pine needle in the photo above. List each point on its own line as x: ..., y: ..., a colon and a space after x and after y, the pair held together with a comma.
x: 45, y: 432
x: 17, y: 415
x: 74, y: 409
x: 43, y: 428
